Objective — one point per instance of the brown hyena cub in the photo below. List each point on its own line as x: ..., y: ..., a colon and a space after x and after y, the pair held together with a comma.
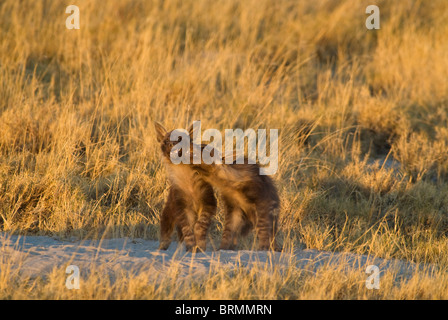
x: 250, y: 199
x: 191, y: 202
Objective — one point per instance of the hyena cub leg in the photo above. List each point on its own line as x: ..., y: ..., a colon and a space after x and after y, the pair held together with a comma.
x: 168, y: 221
x: 266, y: 228
x: 232, y: 228
x: 203, y: 222
x: 201, y: 228
x: 174, y: 214
x: 186, y: 222
x: 180, y: 235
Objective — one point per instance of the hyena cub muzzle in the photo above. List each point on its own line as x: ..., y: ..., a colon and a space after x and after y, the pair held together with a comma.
x: 191, y: 202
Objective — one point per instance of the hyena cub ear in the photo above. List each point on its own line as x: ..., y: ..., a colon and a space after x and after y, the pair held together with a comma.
x: 160, y: 131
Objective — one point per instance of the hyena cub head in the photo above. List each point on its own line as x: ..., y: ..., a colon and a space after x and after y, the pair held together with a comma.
x: 164, y: 139
x: 176, y: 142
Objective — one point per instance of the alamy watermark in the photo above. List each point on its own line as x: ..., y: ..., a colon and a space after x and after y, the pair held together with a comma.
x: 373, y: 281
x: 213, y: 152
x: 72, y: 21
x: 72, y: 281
x: 372, y: 21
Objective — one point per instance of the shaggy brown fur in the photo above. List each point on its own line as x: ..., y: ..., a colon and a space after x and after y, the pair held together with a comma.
x: 250, y: 199
x: 191, y: 202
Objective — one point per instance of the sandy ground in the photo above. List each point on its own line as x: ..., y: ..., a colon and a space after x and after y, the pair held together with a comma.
x: 38, y: 255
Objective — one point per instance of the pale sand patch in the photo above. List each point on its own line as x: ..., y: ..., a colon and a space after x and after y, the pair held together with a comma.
x: 38, y: 255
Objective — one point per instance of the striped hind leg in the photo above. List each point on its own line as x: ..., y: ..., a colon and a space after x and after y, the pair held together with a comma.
x: 186, y: 223
x: 266, y: 228
x: 204, y: 219
x: 200, y: 229
x: 233, y: 225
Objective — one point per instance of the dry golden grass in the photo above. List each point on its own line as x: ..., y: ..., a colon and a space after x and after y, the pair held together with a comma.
x: 78, y: 155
